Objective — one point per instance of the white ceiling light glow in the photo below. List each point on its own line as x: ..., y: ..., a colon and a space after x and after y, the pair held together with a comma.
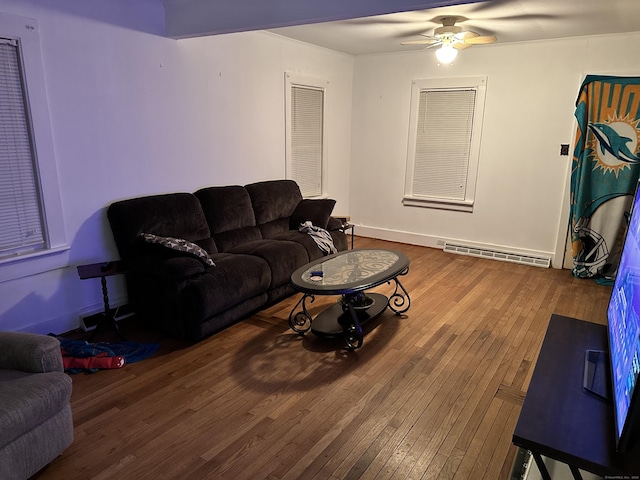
x: 446, y: 54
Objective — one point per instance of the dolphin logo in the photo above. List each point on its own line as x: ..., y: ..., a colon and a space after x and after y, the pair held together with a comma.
x: 612, y: 142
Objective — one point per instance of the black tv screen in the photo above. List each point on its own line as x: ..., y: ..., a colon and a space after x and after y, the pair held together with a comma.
x: 623, y: 315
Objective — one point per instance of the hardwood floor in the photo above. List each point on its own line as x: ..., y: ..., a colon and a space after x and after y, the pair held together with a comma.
x: 433, y: 394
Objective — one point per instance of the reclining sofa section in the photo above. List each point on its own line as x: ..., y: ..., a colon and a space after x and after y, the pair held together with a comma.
x: 198, y: 263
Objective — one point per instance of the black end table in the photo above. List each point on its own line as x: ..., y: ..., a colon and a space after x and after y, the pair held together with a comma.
x: 102, y: 271
x: 347, y: 226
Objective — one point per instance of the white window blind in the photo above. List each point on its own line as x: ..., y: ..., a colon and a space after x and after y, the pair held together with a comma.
x: 20, y: 208
x: 306, y: 142
x: 443, y: 143
x: 443, y: 153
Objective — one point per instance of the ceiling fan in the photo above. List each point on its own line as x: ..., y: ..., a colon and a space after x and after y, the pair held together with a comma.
x: 451, y: 38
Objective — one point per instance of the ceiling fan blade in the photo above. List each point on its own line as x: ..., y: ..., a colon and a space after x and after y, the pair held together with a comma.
x: 480, y: 40
x: 449, y: 34
x: 529, y: 17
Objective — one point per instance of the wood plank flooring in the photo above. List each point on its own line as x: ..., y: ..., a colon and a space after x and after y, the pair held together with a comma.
x: 432, y: 394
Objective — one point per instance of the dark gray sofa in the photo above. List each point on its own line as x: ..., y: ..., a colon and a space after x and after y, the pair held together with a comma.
x: 250, y: 234
x: 35, y: 414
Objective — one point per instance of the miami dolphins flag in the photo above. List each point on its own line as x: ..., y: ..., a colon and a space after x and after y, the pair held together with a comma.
x: 604, y: 173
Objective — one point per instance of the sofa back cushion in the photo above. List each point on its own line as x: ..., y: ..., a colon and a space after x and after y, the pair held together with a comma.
x: 230, y: 215
x: 176, y: 215
x: 273, y: 203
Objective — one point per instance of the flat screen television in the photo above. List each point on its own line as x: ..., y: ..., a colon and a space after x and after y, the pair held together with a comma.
x: 623, y: 317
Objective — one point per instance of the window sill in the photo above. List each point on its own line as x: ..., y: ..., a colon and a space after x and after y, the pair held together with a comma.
x: 317, y: 197
x: 441, y: 204
x: 20, y: 266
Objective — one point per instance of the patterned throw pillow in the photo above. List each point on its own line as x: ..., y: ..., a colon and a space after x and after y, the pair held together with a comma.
x: 180, y: 245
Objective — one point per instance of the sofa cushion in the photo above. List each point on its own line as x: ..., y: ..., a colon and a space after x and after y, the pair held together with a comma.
x: 176, y: 215
x: 230, y: 215
x: 274, y: 199
x: 27, y: 400
x: 316, y: 211
x: 282, y: 257
x: 227, y: 241
x: 275, y: 227
x: 180, y: 245
x: 304, y: 239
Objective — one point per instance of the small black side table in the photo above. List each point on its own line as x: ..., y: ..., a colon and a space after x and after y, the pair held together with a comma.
x: 346, y: 226
x: 102, y: 271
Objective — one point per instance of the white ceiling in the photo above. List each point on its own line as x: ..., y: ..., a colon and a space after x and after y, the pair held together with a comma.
x: 509, y: 20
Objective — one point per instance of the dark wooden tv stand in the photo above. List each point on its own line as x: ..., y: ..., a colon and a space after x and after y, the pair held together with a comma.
x: 562, y: 421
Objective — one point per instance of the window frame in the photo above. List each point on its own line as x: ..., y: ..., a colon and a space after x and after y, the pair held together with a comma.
x: 478, y: 84
x: 54, y: 253
x: 305, y: 81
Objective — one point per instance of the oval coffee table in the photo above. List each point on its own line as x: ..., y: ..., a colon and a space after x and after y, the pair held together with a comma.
x: 349, y: 274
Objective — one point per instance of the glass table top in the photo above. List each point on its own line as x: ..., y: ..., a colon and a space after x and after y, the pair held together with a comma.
x: 349, y: 271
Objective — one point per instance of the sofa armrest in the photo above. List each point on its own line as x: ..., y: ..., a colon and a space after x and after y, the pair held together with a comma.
x: 30, y: 352
x: 171, y: 269
x: 336, y: 223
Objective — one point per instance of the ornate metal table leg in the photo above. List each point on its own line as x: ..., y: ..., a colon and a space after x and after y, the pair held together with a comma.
x: 300, y: 322
x: 399, y: 301
x: 108, y: 316
x: 353, y: 330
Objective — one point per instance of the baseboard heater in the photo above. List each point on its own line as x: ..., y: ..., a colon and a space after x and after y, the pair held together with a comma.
x: 497, y: 255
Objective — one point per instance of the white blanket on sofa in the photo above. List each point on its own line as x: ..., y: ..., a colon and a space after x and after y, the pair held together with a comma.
x: 320, y: 236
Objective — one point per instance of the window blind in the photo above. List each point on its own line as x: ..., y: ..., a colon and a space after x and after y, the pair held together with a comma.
x: 20, y: 209
x: 443, y: 143
x: 307, y: 118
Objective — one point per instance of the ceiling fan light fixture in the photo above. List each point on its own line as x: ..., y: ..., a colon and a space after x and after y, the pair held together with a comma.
x: 446, y: 54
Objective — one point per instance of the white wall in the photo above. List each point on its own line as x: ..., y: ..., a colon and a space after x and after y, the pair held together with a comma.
x: 529, y: 106
x: 111, y: 114
x: 234, y: 97
x: 133, y: 113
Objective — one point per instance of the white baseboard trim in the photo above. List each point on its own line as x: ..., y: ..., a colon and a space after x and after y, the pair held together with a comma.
x: 71, y: 321
x: 438, y: 242
x: 56, y: 326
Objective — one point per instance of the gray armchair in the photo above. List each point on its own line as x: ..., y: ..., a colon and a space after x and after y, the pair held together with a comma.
x: 35, y: 413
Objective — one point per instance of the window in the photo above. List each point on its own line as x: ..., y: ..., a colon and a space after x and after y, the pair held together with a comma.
x: 444, y: 143
x: 305, y: 136
x: 21, y: 227
x: 31, y: 223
